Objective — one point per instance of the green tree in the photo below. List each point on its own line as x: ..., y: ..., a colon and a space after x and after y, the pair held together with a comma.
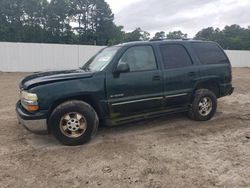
x: 22, y: 20
x: 4, y: 24
x: 231, y: 37
x: 34, y: 20
x: 176, y: 35
x: 118, y: 35
x: 137, y: 35
x: 208, y: 34
x: 91, y: 22
x: 235, y: 37
x: 159, y: 35
x: 58, y: 25
x: 145, y: 36
x: 11, y: 12
x: 104, y: 23
x: 133, y: 36
x: 94, y: 20
x: 52, y: 21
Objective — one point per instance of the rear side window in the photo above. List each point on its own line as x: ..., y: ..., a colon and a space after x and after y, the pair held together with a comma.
x: 209, y: 53
x: 175, y: 56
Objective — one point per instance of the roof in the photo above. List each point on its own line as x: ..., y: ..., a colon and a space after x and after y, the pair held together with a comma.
x: 160, y: 42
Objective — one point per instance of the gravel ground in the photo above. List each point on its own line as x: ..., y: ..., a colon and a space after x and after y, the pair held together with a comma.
x: 171, y: 151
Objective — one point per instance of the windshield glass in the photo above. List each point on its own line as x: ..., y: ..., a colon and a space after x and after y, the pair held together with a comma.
x: 101, y: 59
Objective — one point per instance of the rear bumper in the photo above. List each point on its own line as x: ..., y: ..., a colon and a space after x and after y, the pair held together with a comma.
x: 36, y: 123
x: 226, y: 89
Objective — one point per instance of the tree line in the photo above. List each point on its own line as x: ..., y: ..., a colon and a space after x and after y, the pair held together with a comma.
x: 91, y: 22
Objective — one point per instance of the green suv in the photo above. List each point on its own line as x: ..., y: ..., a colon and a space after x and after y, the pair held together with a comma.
x: 124, y: 83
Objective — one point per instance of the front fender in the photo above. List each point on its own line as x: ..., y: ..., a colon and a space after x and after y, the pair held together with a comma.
x: 49, y: 94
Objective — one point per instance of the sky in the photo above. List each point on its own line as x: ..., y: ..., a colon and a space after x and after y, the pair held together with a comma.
x: 189, y: 16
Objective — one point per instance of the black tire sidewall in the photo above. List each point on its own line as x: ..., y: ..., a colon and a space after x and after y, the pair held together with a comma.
x: 199, y: 95
x: 73, y: 106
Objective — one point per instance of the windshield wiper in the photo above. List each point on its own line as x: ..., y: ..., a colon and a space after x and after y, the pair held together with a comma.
x: 85, y: 68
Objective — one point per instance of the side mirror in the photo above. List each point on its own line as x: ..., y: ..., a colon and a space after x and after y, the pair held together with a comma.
x: 122, y: 67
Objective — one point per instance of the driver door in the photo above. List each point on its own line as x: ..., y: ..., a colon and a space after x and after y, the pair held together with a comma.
x: 141, y: 89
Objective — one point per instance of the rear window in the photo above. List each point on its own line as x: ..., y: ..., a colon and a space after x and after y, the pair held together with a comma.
x: 209, y: 53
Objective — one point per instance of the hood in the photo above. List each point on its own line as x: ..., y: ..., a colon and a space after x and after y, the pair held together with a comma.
x: 52, y: 76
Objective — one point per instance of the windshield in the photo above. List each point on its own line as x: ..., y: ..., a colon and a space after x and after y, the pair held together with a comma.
x: 101, y: 59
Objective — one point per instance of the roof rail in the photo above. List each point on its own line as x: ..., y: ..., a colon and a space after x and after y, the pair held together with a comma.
x: 151, y: 40
x: 187, y: 38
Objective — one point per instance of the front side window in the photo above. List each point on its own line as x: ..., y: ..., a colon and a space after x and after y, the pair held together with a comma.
x: 139, y: 58
x: 209, y: 53
x: 175, y: 56
x: 101, y: 59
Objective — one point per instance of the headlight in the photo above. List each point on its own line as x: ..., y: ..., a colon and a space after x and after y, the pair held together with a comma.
x: 29, y: 101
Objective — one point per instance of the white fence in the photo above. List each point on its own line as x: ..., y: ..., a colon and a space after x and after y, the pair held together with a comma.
x: 24, y: 57
x: 239, y: 58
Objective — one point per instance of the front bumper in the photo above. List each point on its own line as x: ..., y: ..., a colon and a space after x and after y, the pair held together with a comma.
x: 36, y: 123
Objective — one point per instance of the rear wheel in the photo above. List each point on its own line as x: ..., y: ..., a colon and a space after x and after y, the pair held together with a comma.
x: 204, y: 105
x: 73, y: 122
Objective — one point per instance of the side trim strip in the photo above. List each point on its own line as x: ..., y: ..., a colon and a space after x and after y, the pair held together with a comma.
x: 134, y: 101
x: 178, y: 95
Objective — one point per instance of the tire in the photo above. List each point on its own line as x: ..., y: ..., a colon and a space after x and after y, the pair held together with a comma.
x: 73, y: 123
x: 200, y: 110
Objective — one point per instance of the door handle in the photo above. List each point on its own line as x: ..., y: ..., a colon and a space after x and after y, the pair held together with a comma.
x: 192, y: 74
x: 156, y: 78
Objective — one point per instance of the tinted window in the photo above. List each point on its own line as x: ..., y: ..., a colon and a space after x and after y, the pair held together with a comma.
x: 175, y: 56
x: 209, y: 53
x: 139, y: 58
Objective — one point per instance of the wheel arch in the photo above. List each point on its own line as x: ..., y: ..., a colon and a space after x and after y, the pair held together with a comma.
x: 85, y: 98
x: 212, y: 85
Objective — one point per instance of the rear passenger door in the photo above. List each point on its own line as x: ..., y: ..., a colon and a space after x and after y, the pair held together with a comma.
x: 179, y: 74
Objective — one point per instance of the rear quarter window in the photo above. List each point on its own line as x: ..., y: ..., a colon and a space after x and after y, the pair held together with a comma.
x: 209, y: 53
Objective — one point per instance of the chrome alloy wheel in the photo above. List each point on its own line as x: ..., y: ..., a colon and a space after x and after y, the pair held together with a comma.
x: 205, y: 106
x: 73, y: 125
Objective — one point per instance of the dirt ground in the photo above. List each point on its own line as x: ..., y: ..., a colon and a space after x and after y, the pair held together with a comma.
x: 171, y: 151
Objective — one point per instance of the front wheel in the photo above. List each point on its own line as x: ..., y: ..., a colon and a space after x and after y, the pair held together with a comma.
x: 204, y: 105
x: 73, y: 122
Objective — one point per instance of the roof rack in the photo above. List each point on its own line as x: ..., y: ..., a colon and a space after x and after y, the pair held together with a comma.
x: 152, y: 40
